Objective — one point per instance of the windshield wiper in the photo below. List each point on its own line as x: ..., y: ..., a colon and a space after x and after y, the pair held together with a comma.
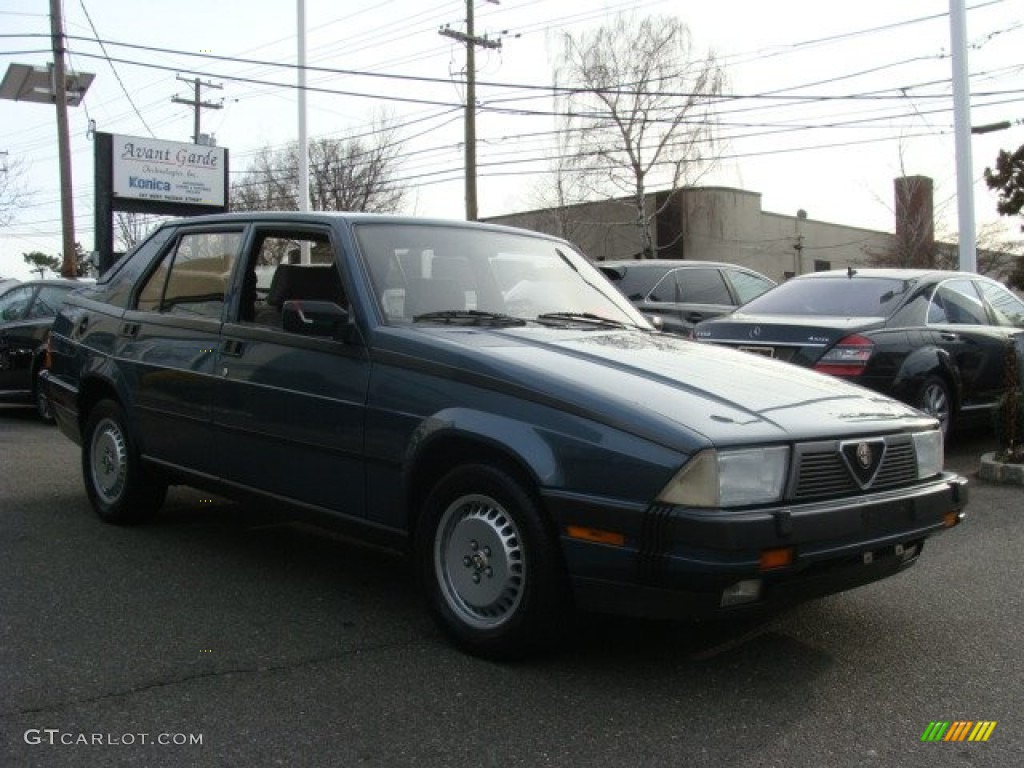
x: 469, y: 317
x: 584, y: 317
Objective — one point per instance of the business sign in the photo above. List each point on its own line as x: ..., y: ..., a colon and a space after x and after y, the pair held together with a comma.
x: 169, y: 172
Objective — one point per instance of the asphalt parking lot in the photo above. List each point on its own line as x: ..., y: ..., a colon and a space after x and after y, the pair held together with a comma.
x: 219, y: 636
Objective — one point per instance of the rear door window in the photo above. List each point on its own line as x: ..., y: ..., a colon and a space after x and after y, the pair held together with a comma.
x: 960, y: 303
x: 701, y: 286
x: 192, y: 278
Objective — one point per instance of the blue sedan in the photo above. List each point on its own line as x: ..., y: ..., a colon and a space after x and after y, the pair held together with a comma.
x: 485, y: 399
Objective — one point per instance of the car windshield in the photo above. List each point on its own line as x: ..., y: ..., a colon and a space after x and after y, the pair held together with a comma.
x: 838, y: 296
x: 441, y: 274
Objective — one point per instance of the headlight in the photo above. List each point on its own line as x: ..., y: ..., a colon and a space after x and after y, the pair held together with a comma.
x: 730, y: 478
x: 928, y: 447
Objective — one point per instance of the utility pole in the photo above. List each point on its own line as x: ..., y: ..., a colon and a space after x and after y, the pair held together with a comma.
x: 471, y: 41
x: 68, y: 266
x: 196, y: 101
x: 798, y: 245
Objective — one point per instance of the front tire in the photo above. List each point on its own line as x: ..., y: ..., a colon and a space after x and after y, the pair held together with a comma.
x: 119, y: 487
x: 491, y: 569
x: 936, y: 400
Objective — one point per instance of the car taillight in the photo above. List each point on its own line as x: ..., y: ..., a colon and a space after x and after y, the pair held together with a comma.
x: 848, y: 357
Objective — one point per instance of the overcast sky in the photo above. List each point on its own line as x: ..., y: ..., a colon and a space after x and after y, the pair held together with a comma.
x: 810, y: 146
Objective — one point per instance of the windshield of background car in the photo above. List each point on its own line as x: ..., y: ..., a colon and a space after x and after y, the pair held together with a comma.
x: 418, y: 269
x: 838, y: 297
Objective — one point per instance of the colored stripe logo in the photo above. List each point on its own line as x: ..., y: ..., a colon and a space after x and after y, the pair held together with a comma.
x: 959, y: 730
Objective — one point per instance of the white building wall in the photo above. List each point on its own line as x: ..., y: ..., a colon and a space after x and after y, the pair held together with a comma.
x: 718, y: 224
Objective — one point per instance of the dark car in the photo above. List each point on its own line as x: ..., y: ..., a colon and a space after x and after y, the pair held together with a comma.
x: 26, y: 313
x: 485, y: 399
x: 682, y: 293
x: 932, y: 338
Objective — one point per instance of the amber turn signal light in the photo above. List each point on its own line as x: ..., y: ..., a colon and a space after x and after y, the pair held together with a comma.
x: 776, y: 558
x: 596, y: 535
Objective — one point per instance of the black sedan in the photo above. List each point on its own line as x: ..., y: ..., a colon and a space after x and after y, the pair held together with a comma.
x: 931, y: 338
x: 26, y: 314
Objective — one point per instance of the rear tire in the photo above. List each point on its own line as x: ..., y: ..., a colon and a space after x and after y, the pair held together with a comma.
x: 119, y: 487
x: 491, y: 568
x: 936, y: 400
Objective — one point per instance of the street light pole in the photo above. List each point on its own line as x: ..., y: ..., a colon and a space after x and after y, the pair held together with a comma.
x: 962, y: 129
x: 69, y: 266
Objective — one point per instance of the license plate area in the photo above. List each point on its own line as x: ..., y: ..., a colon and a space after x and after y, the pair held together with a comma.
x: 762, y: 351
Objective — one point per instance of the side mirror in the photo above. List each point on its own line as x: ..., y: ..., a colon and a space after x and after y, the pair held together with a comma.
x: 314, y: 318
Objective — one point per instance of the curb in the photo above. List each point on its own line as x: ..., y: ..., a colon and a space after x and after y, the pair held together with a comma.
x: 998, y: 472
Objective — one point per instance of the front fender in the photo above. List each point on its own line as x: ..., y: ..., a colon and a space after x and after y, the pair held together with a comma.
x: 564, y: 453
x: 519, y: 439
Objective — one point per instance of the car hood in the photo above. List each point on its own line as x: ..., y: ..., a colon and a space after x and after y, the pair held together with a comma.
x: 658, y: 383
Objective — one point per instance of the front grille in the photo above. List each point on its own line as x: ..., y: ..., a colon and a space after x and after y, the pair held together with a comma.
x: 820, y: 471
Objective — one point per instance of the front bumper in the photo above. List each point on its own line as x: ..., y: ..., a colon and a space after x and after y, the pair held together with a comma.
x: 677, y: 562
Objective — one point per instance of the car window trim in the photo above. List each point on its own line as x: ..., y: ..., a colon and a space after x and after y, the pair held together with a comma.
x: 263, y: 333
x: 171, y: 320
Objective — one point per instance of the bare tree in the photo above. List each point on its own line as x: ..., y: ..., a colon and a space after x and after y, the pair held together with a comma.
x: 12, y: 191
x: 131, y: 228
x: 638, y: 111
x: 561, y: 197
x: 353, y: 174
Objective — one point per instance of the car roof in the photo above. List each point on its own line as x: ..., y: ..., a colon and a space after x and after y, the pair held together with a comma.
x: 357, y: 217
x: 73, y: 283
x: 667, y: 264
x: 893, y: 273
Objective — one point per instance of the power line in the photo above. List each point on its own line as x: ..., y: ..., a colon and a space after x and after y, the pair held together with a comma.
x: 113, y: 69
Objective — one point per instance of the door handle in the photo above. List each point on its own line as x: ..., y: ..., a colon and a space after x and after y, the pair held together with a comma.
x: 948, y: 336
x: 80, y: 328
x: 233, y: 347
x: 130, y: 330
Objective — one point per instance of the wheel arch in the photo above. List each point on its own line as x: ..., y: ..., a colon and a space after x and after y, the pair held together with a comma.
x: 918, y: 366
x: 453, y: 439
x: 92, y: 390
